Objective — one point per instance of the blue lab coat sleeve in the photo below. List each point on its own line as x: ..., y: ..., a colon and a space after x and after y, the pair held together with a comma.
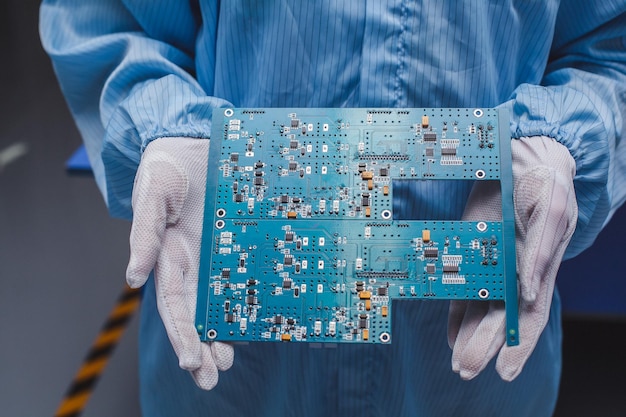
x: 581, y: 102
x: 129, y: 78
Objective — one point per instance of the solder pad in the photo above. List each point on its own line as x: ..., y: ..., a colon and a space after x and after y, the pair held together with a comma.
x: 300, y: 239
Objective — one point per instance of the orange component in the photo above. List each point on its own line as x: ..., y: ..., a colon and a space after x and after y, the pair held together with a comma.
x: 292, y: 214
x: 366, y: 334
x: 370, y: 184
x: 285, y: 337
x: 368, y: 212
x: 385, y: 311
x: 365, y: 295
x: 368, y: 305
x: 367, y: 175
x: 386, y: 190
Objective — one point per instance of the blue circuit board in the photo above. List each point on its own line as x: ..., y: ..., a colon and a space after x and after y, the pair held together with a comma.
x: 302, y: 237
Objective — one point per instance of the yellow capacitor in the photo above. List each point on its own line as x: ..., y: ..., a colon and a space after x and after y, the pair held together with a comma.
x: 385, y: 311
x: 426, y: 235
x: 370, y: 184
x: 386, y: 190
x: 368, y: 211
x: 292, y: 214
x: 366, y: 334
x: 285, y: 337
x: 367, y: 175
x: 365, y: 295
x: 368, y: 305
x: 425, y: 121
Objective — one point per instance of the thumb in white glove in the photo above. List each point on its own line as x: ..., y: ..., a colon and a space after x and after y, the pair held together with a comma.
x: 545, y: 219
x: 168, y: 205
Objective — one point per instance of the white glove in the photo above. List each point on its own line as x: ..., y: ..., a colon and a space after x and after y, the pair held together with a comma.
x: 168, y: 204
x: 545, y: 219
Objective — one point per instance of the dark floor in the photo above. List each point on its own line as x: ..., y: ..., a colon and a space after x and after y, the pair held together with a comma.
x: 62, y: 261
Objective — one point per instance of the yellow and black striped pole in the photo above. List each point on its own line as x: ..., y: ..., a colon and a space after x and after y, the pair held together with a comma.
x: 87, y: 376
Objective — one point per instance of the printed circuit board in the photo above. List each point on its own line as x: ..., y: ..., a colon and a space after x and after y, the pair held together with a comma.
x: 303, y: 239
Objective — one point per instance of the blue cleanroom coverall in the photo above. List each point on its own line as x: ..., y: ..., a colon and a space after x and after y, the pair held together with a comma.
x: 133, y: 71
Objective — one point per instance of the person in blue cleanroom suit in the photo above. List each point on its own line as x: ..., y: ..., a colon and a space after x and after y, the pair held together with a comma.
x: 141, y: 79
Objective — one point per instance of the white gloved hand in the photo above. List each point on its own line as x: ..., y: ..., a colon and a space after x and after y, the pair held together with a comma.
x: 545, y: 219
x: 168, y: 205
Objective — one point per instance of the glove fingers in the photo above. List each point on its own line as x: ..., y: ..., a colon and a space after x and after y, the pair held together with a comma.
x: 175, y: 308
x: 545, y: 240
x: 532, y: 320
x: 474, y: 314
x: 223, y: 354
x: 476, y: 350
x: 484, y: 202
x: 456, y: 312
x: 216, y: 357
x: 549, y: 224
x: 206, y: 375
x: 158, y: 195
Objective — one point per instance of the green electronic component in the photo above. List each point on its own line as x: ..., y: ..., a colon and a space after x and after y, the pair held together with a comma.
x: 304, y: 240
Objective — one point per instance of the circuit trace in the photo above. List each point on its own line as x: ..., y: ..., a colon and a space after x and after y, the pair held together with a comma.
x: 304, y: 239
